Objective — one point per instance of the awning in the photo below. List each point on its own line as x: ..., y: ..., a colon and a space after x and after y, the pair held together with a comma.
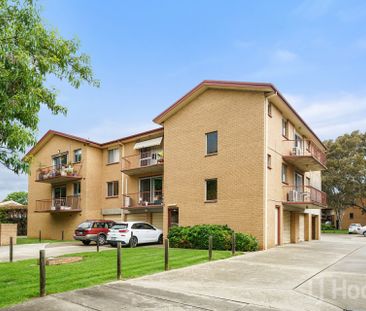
x: 148, y: 143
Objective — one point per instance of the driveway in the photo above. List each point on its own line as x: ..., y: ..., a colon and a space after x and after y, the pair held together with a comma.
x: 30, y: 251
x: 318, y: 275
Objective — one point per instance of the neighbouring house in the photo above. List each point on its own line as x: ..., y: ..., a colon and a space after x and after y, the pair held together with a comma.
x: 350, y: 215
x: 232, y: 153
x: 16, y: 213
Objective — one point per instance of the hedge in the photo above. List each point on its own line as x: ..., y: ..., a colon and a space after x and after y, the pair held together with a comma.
x: 196, y: 237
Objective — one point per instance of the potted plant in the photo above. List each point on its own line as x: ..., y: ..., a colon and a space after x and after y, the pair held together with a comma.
x: 161, y: 157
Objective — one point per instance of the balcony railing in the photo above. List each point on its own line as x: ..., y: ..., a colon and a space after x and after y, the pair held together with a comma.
x: 143, y: 199
x: 304, y: 195
x: 57, y: 173
x: 66, y: 204
x: 147, y: 161
x: 304, y: 150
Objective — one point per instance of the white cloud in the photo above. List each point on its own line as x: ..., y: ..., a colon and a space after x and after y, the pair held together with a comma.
x: 10, y: 182
x: 332, y: 115
x: 109, y: 130
x: 313, y: 8
x: 284, y: 55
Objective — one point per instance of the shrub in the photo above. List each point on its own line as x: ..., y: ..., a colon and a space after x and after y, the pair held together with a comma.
x: 327, y: 227
x: 196, y: 237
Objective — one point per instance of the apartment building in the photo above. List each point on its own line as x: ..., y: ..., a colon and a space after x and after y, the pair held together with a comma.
x: 230, y: 153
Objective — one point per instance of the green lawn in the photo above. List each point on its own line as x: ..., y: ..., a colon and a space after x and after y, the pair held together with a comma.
x: 20, y: 280
x: 345, y: 231
x: 35, y: 240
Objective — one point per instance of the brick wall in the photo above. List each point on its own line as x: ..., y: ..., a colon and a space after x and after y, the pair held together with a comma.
x: 7, y: 231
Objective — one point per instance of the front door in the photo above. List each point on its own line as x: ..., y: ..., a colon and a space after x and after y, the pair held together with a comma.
x: 59, y: 161
x: 173, y: 217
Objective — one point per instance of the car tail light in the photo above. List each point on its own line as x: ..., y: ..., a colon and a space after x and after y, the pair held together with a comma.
x: 123, y: 230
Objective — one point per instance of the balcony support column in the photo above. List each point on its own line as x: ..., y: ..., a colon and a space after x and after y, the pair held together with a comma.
x: 307, y: 225
x: 294, y: 227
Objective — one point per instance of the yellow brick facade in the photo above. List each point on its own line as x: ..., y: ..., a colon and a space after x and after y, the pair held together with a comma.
x: 250, y: 196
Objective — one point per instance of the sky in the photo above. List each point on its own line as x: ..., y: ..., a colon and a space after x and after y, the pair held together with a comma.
x: 147, y: 54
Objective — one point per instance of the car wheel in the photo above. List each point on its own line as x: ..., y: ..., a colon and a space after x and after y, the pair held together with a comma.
x: 113, y: 244
x: 133, y: 241
x: 86, y: 242
x: 160, y: 239
x: 102, y: 239
x: 364, y: 234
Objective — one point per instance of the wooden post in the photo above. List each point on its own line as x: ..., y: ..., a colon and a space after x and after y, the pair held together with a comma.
x: 40, y: 236
x: 119, y: 272
x: 233, y: 243
x: 62, y: 235
x: 42, y: 273
x: 11, y: 249
x: 210, y: 247
x: 166, y: 254
x: 98, y: 242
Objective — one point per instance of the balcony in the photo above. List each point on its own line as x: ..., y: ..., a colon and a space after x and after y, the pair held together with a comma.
x: 304, y: 155
x: 304, y: 197
x: 58, y: 173
x: 143, y: 200
x: 143, y: 163
x: 61, y: 205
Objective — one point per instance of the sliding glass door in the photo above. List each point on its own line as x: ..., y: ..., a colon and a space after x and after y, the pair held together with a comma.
x: 151, y: 190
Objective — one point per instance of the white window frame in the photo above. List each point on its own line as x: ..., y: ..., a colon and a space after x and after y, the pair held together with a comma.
x: 116, y: 160
x: 217, y: 143
x: 114, y: 188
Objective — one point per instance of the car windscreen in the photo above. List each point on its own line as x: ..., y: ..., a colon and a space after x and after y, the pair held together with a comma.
x: 120, y: 226
x: 85, y: 225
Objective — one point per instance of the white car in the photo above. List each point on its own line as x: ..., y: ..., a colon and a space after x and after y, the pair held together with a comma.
x: 353, y: 228
x: 362, y: 230
x: 134, y: 233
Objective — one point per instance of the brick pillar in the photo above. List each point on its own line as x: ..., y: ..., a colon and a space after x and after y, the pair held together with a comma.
x: 294, y: 227
x: 307, y: 225
x: 317, y: 227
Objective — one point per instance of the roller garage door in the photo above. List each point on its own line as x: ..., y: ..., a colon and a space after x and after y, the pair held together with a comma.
x: 286, y: 227
x: 136, y: 217
x: 157, y: 220
x: 113, y: 217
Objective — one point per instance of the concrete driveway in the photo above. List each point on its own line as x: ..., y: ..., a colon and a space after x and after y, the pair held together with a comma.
x: 30, y: 251
x: 319, y: 275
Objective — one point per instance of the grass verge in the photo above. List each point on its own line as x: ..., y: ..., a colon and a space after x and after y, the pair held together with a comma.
x: 19, y: 280
x: 335, y: 231
x: 35, y: 241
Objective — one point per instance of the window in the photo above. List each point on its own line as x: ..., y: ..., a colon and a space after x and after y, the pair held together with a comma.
x: 350, y: 215
x: 77, y: 155
x: 211, y: 189
x: 284, y: 173
x: 285, y: 128
x: 211, y: 143
x: 113, y: 155
x: 59, y: 160
x: 269, y: 109
x: 77, y: 188
x: 112, y: 189
x: 269, y: 161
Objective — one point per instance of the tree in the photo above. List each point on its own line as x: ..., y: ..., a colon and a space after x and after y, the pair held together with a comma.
x: 19, y: 196
x: 29, y: 54
x: 345, y: 180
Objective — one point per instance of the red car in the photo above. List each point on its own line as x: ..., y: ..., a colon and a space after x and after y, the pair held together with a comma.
x: 89, y: 230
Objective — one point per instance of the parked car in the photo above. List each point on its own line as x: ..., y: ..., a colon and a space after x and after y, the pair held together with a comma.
x: 91, y: 229
x: 353, y: 228
x: 362, y: 230
x: 134, y: 233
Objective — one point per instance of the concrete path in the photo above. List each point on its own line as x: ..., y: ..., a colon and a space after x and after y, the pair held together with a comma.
x: 319, y: 275
x: 30, y: 251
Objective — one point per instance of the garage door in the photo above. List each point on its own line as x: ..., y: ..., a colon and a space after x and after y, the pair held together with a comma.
x: 157, y: 220
x: 136, y: 217
x: 301, y: 227
x: 286, y: 227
